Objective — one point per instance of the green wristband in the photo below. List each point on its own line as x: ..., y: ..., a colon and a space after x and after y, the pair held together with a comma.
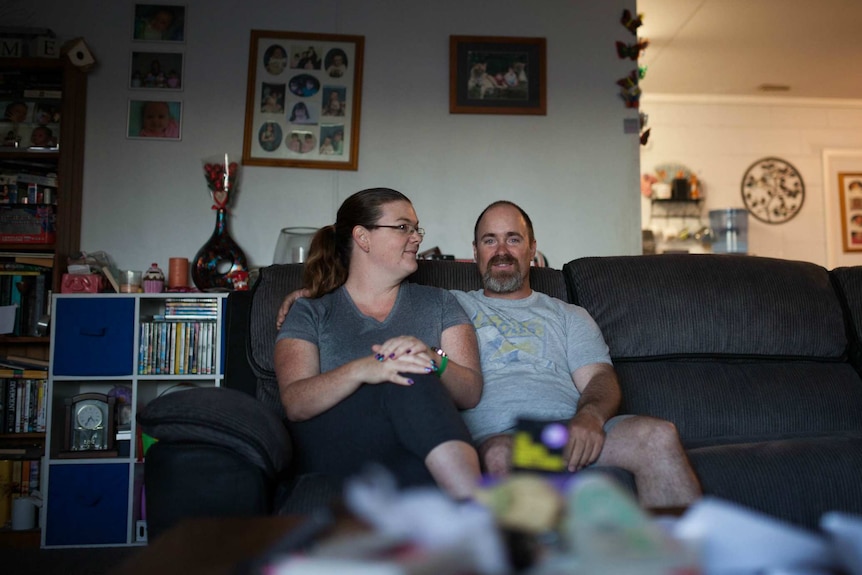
x: 444, y: 361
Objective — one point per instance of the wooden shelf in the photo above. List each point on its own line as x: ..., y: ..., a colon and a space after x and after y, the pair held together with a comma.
x: 19, y: 539
x: 23, y: 340
x: 10, y: 153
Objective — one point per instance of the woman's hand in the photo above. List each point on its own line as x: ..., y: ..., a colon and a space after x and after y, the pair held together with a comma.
x: 411, y: 353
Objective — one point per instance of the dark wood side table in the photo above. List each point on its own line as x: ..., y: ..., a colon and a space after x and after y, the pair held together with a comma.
x: 215, y: 546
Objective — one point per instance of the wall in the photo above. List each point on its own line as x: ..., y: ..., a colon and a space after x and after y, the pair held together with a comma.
x: 719, y: 138
x: 574, y: 170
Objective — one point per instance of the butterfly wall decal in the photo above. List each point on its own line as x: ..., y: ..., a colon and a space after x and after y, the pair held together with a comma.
x: 631, y: 51
x: 632, y: 23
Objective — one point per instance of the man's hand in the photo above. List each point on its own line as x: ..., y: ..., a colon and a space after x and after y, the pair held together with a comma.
x: 586, y: 439
x: 285, y: 305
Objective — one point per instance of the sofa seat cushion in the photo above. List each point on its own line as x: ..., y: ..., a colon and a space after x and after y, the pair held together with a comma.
x: 738, y: 401
x: 796, y: 480
x: 221, y: 417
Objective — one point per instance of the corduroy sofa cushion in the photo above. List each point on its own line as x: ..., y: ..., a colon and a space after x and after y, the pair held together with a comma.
x: 222, y: 417
x: 710, y: 305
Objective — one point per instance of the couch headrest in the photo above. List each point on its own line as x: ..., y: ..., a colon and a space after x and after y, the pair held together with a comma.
x: 709, y: 305
x: 277, y: 281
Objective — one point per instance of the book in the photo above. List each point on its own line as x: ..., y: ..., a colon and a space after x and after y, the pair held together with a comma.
x: 5, y: 492
x: 27, y: 362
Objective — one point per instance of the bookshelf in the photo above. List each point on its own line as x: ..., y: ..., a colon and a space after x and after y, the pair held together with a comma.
x: 41, y: 178
x: 149, y: 344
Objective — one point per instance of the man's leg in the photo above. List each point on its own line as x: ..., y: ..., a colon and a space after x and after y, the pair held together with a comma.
x: 650, y: 449
x: 647, y: 447
x: 495, y: 455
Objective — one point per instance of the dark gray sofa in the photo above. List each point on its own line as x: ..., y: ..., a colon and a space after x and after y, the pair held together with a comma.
x: 755, y: 360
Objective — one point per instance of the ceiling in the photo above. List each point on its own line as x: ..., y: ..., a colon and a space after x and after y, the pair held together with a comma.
x: 732, y: 47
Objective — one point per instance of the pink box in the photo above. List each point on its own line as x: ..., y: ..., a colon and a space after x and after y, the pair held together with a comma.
x: 82, y: 283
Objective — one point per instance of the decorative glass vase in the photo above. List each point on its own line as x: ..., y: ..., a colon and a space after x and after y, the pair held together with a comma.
x: 220, y: 263
x: 292, y: 245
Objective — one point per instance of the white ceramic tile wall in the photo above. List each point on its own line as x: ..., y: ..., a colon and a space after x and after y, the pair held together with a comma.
x: 718, y: 139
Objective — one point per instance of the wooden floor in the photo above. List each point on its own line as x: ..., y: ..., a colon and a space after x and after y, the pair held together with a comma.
x: 79, y: 561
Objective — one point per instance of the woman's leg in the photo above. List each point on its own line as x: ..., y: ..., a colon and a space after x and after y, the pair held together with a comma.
x: 455, y: 467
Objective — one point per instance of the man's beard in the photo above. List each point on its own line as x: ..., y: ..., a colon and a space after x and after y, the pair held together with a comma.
x: 503, y: 282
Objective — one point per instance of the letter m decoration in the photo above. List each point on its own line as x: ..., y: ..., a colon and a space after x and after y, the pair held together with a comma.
x: 10, y: 48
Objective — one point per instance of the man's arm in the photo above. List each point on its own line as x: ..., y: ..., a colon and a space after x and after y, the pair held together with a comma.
x: 600, y: 400
x: 289, y: 300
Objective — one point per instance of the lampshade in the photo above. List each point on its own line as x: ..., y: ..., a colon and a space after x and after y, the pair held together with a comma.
x: 292, y: 245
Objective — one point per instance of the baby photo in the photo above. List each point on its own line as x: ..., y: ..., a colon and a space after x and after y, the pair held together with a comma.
x: 159, y: 23
x: 154, y: 119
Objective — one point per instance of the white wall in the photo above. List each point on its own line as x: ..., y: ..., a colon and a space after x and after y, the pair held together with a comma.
x: 719, y: 138
x: 574, y: 170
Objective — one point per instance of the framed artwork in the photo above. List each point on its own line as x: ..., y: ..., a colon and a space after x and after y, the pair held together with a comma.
x: 156, y: 70
x: 303, y: 100
x: 155, y: 119
x: 159, y: 23
x: 497, y: 75
x: 850, y: 191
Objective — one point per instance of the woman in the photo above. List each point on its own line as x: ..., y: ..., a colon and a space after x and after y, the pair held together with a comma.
x: 357, y: 373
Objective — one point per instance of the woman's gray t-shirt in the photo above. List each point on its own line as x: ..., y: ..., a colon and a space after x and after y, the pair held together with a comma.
x: 342, y: 333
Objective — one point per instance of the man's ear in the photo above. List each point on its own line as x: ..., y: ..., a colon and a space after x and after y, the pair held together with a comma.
x: 475, y: 253
x: 533, y: 250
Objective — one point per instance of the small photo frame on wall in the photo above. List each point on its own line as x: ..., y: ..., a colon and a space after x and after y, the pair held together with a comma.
x: 497, y: 75
x: 159, y: 23
x: 154, y: 119
x: 303, y: 100
x: 850, y: 190
x: 156, y: 70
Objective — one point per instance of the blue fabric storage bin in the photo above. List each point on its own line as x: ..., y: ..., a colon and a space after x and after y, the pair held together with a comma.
x: 88, y: 504
x: 94, y: 336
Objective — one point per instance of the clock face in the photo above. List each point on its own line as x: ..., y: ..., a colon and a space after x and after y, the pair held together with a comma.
x: 773, y: 190
x: 89, y: 415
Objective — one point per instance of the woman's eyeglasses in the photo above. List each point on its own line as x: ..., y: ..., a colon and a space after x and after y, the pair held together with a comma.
x: 406, y: 229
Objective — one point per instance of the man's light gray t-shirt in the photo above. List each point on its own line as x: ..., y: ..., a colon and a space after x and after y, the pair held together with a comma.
x: 529, y: 349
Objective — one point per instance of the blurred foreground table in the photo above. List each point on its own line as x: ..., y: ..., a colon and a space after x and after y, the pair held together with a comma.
x: 215, y: 546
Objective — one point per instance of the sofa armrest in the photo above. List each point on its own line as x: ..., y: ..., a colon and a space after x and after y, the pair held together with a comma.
x: 220, y: 417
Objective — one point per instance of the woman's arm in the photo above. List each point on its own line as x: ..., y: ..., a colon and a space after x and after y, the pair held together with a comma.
x: 305, y: 392
x: 463, y: 374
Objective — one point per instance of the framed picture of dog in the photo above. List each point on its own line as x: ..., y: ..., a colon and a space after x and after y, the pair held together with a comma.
x: 303, y: 100
x: 497, y: 75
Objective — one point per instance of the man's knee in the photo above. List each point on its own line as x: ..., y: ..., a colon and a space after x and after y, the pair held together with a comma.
x: 495, y: 454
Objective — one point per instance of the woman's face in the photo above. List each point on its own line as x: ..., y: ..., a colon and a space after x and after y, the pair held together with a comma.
x: 392, y: 248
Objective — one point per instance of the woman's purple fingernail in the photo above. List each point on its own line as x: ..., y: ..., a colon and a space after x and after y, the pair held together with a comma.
x: 408, y: 351
x: 428, y: 370
x: 391, y: 356
x: 410, y: 382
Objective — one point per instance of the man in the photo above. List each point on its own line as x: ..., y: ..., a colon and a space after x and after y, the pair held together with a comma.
x: 533, y: 349
x: 545, y: 359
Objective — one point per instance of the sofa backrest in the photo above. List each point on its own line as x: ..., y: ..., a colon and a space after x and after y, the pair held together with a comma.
x: 276, y: 281
x: 729, y: 348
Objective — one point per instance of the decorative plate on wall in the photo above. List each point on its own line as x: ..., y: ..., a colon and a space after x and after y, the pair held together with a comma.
x: 773, y: 190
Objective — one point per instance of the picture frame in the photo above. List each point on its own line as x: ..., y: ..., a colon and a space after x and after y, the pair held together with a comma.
x: 156, y: 71
x: 159, y: 23
x: 497, y: 75
x: 850, y: 201
x: 303, y: 100
x: 155, y: 120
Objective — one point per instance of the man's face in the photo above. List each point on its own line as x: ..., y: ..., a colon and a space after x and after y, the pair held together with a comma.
x: 503, y: 251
